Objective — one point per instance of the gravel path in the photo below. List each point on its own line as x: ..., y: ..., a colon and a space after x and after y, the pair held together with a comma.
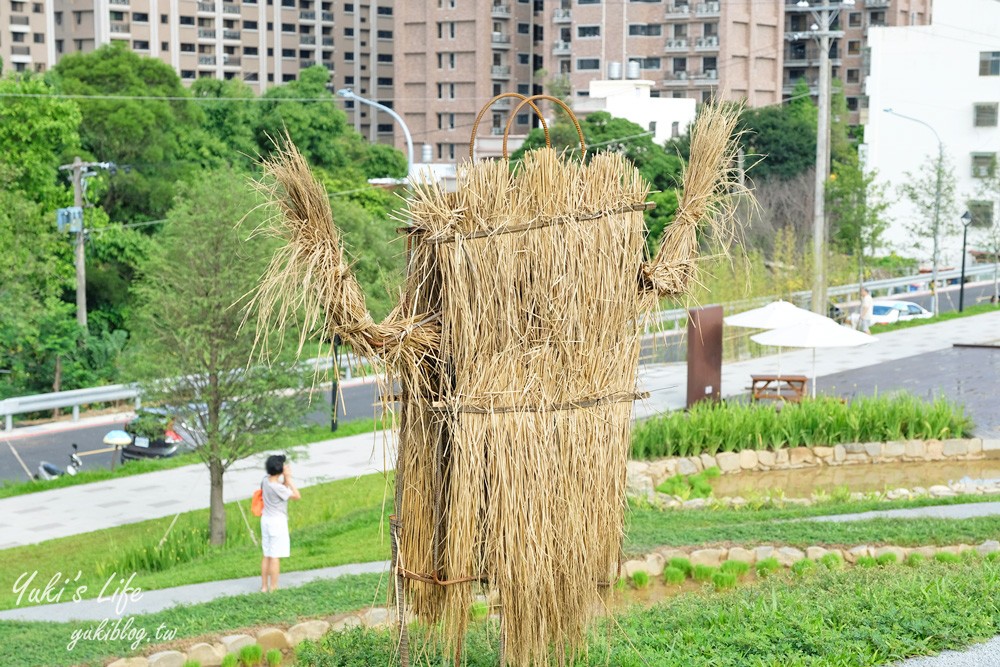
x: 964, y: 511
x: 980, y: 655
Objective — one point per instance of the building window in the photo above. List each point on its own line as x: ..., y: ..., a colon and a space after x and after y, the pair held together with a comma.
x: 989, y: 63
x: 523, y: 88
x: 588, y: 2
x: 384, y: 34
x: 384, y: 11
x: 983, y: 164
x: 446, y: 121
x: 853, y: 76
x: 654, y: 63
x: 446, y: 29
x: 588, y: 31
x: 854, y: 19
x: 585, y: 64
x: 248, y: 50
x: 40, y: 38
x: 446, y: 151
x: 59, y: 46
x: 348, y: 32
x: 854, y: 47
x: 349, y: 56
x: 985, y: 115
x: 186, y: 20
x: 852, y: 104
x: 138, y: 17
x: 288, y: 53
x: 446, y: 91
x: 675, y: 129
x: 249, y: 25
x: 384, y: 81
x: 187, y: 74
x: 522, y: 119
x: 187, y: 48
x: 140, y: 45
x: 384, y: 58
x: 523, y: 59
x: 645, y: 29
x: 981, y: 212
x: 680, y: 65
x: 876, y: 19
x: 288, y: 27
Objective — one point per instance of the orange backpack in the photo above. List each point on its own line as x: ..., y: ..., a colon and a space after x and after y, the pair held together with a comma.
x: 257, y: 502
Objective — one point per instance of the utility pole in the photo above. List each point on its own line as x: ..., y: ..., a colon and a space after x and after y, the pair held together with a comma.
x: 823, y: 17
x: 80, y: 256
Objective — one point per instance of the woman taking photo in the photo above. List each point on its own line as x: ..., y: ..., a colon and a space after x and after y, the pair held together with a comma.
x: 277, y: 488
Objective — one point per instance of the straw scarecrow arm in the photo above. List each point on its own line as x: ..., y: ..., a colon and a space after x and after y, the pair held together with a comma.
x: 309, y: 275
x: 710, y: 198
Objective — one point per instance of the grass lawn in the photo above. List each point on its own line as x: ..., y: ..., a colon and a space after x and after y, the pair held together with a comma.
x: 847, y: 618
x: 287, y: 440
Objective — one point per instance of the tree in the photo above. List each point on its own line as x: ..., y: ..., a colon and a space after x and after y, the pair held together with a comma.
x: 233, y: 120
x: 783, y: 139
x: 931, y: 190
x: 986, y: 216
x: 189, y: 348
x: 857, y: 207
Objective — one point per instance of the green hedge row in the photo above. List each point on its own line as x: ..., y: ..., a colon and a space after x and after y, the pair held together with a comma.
x: 730, y: 427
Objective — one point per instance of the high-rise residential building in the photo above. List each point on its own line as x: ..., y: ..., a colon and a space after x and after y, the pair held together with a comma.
x: 262, y: 42
x: 848, y: 55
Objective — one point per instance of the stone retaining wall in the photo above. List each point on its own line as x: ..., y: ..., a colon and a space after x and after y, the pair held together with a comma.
x: 645, y: 476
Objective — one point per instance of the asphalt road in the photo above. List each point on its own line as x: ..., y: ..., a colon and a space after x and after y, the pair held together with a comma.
x: 56, y: 446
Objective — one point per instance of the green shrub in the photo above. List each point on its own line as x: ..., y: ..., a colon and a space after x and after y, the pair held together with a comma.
x: 621, y: 584
x: 704, y: 572
x: 479, y: 610
x: 887, y: 558
x: 767, y: 566
x: 729, y: 427
x: 357, y: 647
x: 640, y: 579
x: 251, y: 655
x: 724, y: 580
x: 831, y: 561
x: 802, y: 566
x: 230, y: 660
x: 945, y: 557
x: 735, y: 567
x: 192, y: 663
x: 915, y: 559
x: 866, y: 561
x: 682, y: 564
x: 273, y: 658
x: 673, y: 575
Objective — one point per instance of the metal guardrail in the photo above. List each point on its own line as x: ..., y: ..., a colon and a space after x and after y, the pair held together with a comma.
x: 19, y: 405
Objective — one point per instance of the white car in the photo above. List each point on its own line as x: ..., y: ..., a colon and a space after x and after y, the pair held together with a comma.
x: 887, y: 312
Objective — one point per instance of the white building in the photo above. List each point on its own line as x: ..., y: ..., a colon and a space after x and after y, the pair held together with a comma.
x: 666, y: 117
x: 946, y: 75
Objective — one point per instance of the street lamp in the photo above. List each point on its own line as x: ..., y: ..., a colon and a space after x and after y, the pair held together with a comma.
x: 823, y: 17
x: 966, y: 221
x: 936, y: 229
x: 349, y: 94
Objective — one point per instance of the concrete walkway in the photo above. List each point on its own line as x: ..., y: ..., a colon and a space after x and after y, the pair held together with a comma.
x: 962, y: 511
x: 111, y: 607
x: 986, y: 654
x: 45, y: 515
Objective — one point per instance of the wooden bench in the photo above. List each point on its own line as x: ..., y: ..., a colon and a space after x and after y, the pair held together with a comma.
x: 790, y: 388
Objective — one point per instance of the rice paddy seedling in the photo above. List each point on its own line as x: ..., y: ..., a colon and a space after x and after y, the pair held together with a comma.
x: 479, y: 610
x: 767, y: 566
x: 704, y: 572
x: 915, y: 559
x: 192, y: 663
x: 724, y: 580
x: 970, y: 555
x: 273, y: 658
x: 230, y: 660
x: 866, y: 561
x: 673, y: 575
x: 735, y: 567
x: 831, y: 561
x: 993, y: 557
x: 887, y: 559
x: 800, y: 567
x: 640, y: 579
x: 682, y: 564
x: 251, y: 656
x: 947, y: 557
x: 621, y: 584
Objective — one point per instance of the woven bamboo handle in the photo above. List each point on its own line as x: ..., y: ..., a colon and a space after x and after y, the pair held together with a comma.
x: 530, y: 100
x: 482, y: 112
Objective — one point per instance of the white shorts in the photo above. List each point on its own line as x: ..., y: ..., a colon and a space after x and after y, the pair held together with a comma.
x: 274, y: 536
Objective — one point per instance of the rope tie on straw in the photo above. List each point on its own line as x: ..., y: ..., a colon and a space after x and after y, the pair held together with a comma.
x: 455, y: 406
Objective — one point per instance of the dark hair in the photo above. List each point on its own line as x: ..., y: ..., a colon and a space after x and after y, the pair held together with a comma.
x: 275, y: 464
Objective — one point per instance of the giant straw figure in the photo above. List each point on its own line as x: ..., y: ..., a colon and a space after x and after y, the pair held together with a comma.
x: 513, y: 352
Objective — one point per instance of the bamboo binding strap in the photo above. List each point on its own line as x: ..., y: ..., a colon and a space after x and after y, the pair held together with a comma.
x: 448, y: 406
x: 530, y: 100
x: 482, y: 112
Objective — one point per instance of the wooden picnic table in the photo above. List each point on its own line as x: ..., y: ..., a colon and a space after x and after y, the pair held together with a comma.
x: 790, y: 388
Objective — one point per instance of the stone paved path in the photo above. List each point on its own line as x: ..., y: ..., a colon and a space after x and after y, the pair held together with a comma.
x: 963, y: 511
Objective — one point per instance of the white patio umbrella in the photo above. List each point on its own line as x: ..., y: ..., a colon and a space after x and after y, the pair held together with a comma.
x: 772, y: 316
x: 822, y: 332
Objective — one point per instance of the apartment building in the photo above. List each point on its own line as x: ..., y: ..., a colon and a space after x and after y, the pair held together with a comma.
x: 849, y: 54
x: 262, y: 42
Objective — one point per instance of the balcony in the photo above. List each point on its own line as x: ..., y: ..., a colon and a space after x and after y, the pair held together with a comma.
x: 500, y: 11
x: 121, y: 27
x: 675, y: 79
x: 496, y: 131
x: 680, y: 9
x: 327, y: 16
x: 500, y: 40
x: 307, y: 15
x: 328, y: 41
x: 119, y: 2
x: 707, y: 75
x: 710, y: 43
x: 562, y: 16
x: 707, y: 8
x: 206, y: 33
x: 501, y: 104
x: 500, y: 71
x: 876, y: 3
x: 206, y: 7
x: 676, y: 45
x: 231, y: 61
x: 19, y: 21
x: 306, y: 63
x: 206, y: 60
x: 230, y: 9
x: 307, y: 39
x: 561, y: 48
x: 17, y: 50
x: 231, y: 34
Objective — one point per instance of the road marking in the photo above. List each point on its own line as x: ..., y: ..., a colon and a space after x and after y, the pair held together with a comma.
x: 19, y: 460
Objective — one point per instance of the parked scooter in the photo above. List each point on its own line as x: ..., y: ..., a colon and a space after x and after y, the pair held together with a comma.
x: 48, y: 471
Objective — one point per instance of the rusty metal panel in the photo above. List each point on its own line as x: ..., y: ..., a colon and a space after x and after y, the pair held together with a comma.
x: 704, y: 355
